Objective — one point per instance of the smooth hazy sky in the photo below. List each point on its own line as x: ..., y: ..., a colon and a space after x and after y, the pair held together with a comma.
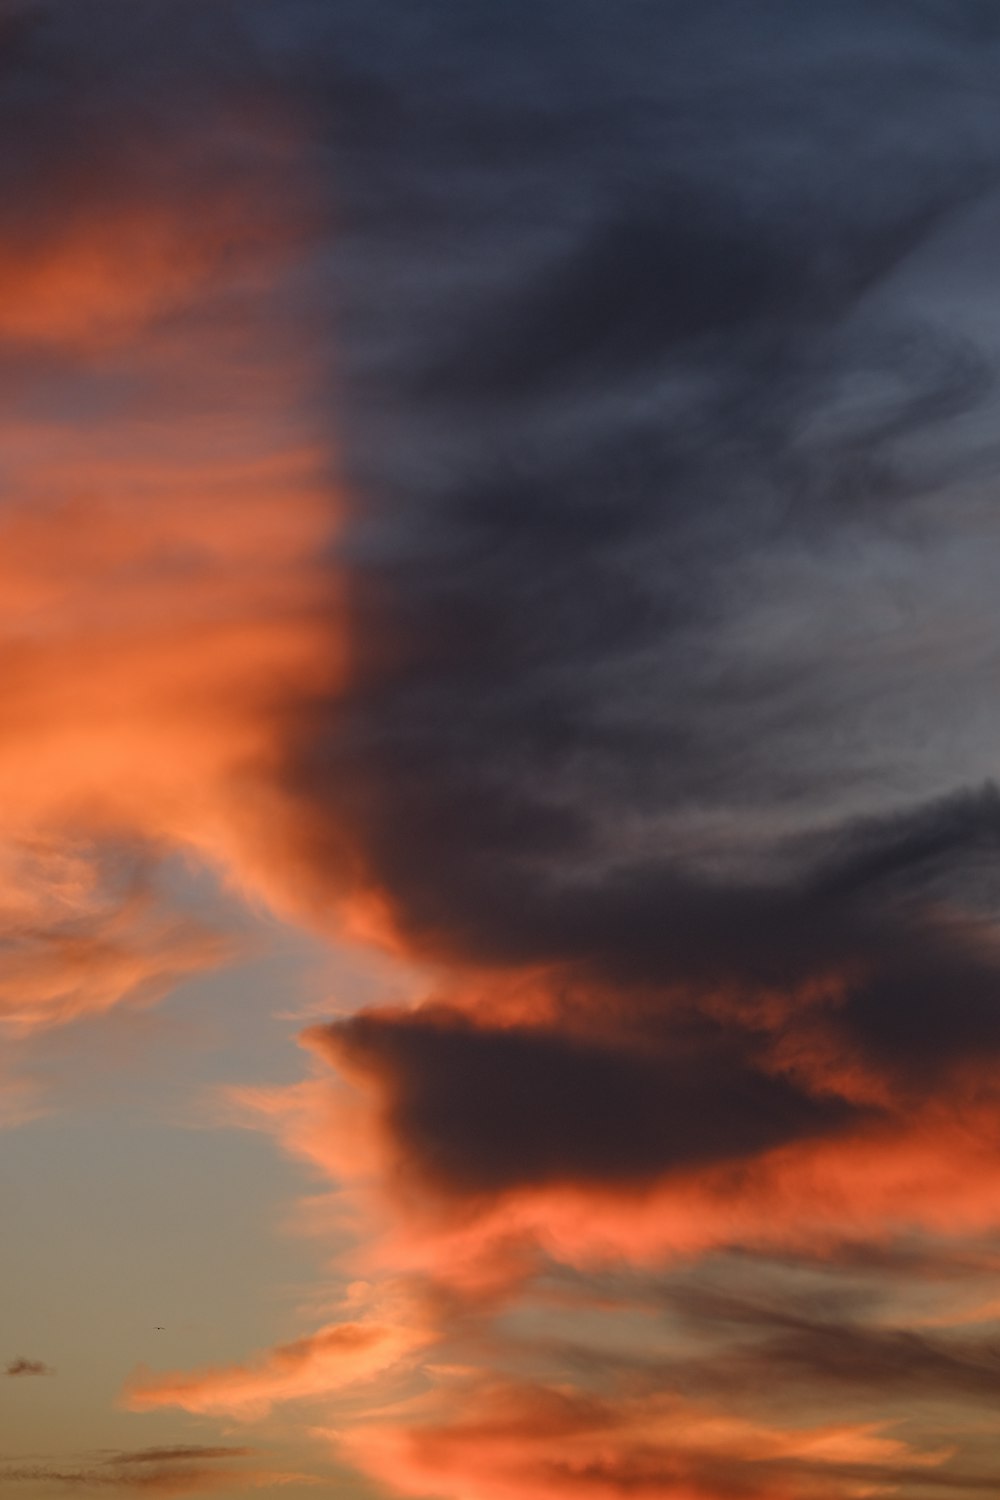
x: 499, y: 846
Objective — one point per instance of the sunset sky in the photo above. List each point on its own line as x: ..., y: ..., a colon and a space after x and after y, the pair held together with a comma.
x: 499, y: 839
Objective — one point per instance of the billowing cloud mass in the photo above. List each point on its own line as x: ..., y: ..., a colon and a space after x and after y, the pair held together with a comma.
x: 517, y: 485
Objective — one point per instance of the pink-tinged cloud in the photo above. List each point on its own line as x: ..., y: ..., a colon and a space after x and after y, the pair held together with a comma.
x: 162, y: 595
x: 501, y: 1442
x: 122, y: 948
x: 327, y: 1361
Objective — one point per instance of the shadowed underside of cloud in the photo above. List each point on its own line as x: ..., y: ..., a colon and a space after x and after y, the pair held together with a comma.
x: 481, y: 1110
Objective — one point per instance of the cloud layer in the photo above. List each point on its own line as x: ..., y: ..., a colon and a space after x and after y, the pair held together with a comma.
x: 517, y: 487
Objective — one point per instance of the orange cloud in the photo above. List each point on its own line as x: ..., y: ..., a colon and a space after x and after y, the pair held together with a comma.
x: 147, y: 652
x: 337, y: 1356
x: 506, y: 1441
x: 113, y: 947
x: 97, y: 281
x: 163, y: 598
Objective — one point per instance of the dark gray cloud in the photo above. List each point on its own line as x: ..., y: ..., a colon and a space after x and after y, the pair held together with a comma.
x: 656, y: 672
x: 546, y: 584
x: 22, y: 1366
x: 637, y: 1074
x: 177, y: 1453
x: 539, y: 1105
x: 834, y: 1350
x: 181, y: 1469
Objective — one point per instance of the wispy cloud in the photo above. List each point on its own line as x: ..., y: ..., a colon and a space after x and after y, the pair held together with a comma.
x: 164, y: 501
x: 180, y: 1470
x: 176, y: 1453
x: 329, y: 1360
x: 511, y: 1439
x: 22, y: 1366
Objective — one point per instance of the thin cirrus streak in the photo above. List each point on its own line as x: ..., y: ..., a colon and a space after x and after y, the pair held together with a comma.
x: 190, y: 1470
x: 635, y: 687
x: 325, y: 1361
